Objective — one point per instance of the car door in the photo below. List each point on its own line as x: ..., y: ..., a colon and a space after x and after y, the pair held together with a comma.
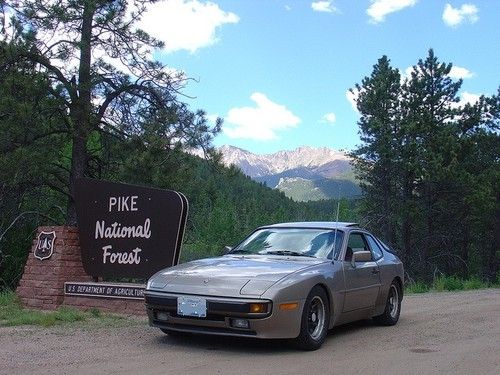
x: 362, y: 279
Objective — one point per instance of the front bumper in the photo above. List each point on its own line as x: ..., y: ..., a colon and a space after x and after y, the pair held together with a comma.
x: 162, y: 313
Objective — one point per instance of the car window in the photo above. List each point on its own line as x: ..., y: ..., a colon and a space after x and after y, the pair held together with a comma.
x: 338, y: 239
x: 311, y: 242
x: 356, y: 243
x: 385, y: 246
x: 375, y: 248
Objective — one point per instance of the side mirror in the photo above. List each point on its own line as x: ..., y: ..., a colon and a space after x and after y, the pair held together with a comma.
x: 227, y: 249
x: 361, y: 256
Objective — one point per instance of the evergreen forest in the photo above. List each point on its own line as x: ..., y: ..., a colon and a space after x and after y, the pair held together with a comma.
x: 428, y: 165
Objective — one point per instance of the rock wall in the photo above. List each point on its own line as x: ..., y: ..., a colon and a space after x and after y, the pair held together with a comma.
x: 42, y: 283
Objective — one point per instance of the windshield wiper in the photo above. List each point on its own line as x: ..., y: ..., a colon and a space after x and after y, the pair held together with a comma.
x: 239, y: 251
x: 288, y: 252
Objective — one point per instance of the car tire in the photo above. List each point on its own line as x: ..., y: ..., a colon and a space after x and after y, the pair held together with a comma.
x: 392, y: 306
x: 315, y: 320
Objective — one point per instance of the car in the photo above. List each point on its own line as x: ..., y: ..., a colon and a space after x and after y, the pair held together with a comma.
x: 288, y: 281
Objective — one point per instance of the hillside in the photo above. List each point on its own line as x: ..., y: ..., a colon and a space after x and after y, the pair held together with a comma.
x: 303, y: 174
x: 303, y: 190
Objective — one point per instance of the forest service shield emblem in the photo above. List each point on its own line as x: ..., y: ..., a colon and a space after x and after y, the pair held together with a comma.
x: 45, y: 245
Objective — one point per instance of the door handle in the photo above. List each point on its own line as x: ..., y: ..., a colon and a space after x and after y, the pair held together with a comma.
x: 375, y: 271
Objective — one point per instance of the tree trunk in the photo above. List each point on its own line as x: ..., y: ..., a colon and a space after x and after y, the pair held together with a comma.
x: 491, y: 255
x: 407, y: 220
x: 81, y: 110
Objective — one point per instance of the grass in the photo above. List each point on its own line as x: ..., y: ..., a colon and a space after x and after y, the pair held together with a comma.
x: 448, y: 283
x: 13, y: 314
x: 417, y: 287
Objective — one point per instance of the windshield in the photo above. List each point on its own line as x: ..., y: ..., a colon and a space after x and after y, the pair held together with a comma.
x: 317, y: 243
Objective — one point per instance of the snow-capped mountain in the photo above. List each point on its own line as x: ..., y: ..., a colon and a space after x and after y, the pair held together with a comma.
x: 321, y: 160
x: 306, y: 173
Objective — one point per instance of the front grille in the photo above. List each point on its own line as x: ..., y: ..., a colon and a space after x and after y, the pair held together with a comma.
x: 161, y: 301
x: 213, y: 317
x: 216, y: 310
x: 232, y: 307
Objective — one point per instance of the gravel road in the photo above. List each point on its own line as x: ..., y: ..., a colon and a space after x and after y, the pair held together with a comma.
x: 456, y: 333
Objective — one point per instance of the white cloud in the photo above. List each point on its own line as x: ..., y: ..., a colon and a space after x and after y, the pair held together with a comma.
x: 458, y: 72
x: 468, y: 98
x: 185, y: 24
x: 324, y: 6
x: 288, y: 7
x: 352, y: 97
x: 455, y: 16
x: 380, y: 8
x: 329, y: 118
x: 261, y: 122
x: 406, y: 74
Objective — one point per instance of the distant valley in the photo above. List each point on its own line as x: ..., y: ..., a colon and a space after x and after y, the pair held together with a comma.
x: 303, y: 174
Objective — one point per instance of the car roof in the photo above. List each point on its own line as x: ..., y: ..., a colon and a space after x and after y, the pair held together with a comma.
x: 314, y: 224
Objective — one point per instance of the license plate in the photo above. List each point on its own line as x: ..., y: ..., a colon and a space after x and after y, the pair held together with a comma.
x: 192, y: 306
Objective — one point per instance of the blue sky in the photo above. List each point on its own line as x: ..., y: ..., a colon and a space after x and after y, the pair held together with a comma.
x: 278, y: 71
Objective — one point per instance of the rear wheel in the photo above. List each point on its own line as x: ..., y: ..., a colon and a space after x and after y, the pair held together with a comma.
x: 392, y: 307
x: 315, y: 320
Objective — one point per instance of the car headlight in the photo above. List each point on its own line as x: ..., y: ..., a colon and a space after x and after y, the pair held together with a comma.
x: 256, y: 287
x: 155, y: 284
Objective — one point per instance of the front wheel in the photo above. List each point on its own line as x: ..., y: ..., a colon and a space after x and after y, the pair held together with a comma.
x: 315, y: 320
x: 392, y: 307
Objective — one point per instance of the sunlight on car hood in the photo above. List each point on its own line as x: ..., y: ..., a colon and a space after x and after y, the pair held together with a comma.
x: 229, y: 275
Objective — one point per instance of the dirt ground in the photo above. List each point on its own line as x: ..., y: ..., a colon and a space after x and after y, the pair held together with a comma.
x: 456, y: 333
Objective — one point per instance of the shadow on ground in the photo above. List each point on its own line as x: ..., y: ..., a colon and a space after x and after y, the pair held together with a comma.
x: 251, y: 345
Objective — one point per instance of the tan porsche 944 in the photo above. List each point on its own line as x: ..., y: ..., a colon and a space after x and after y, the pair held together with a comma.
x: 289, y: 280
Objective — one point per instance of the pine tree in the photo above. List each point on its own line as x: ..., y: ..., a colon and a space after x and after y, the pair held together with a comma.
x: 100, y: 67
x: 430, y: 169
x: 376, y: 158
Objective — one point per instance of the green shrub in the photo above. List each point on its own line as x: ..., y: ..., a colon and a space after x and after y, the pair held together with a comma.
x: 474, y: 283
x: 8, y: 298
x: 417, y: 287
x: 448, y: 283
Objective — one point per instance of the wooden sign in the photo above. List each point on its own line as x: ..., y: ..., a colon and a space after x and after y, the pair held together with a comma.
x: 127, y: 230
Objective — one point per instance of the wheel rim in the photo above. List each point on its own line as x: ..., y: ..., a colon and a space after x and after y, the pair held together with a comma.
x: 316, y: 317
x: 393, y: 302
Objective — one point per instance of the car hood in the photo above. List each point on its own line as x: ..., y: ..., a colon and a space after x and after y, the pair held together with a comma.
x: 228, y: 276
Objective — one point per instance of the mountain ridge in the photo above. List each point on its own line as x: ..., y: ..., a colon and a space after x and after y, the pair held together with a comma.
x: 255, y: 165
x: 303, y: 174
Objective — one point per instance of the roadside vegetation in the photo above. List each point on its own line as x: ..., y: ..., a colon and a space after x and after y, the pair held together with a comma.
x: 13, y: 314
x: 429, y: 167
x: 449, y: 284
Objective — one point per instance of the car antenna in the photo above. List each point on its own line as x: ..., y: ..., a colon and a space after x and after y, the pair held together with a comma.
x: 336, y: 222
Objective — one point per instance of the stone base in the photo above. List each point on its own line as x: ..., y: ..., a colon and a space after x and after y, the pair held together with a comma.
x: 42, y: 284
